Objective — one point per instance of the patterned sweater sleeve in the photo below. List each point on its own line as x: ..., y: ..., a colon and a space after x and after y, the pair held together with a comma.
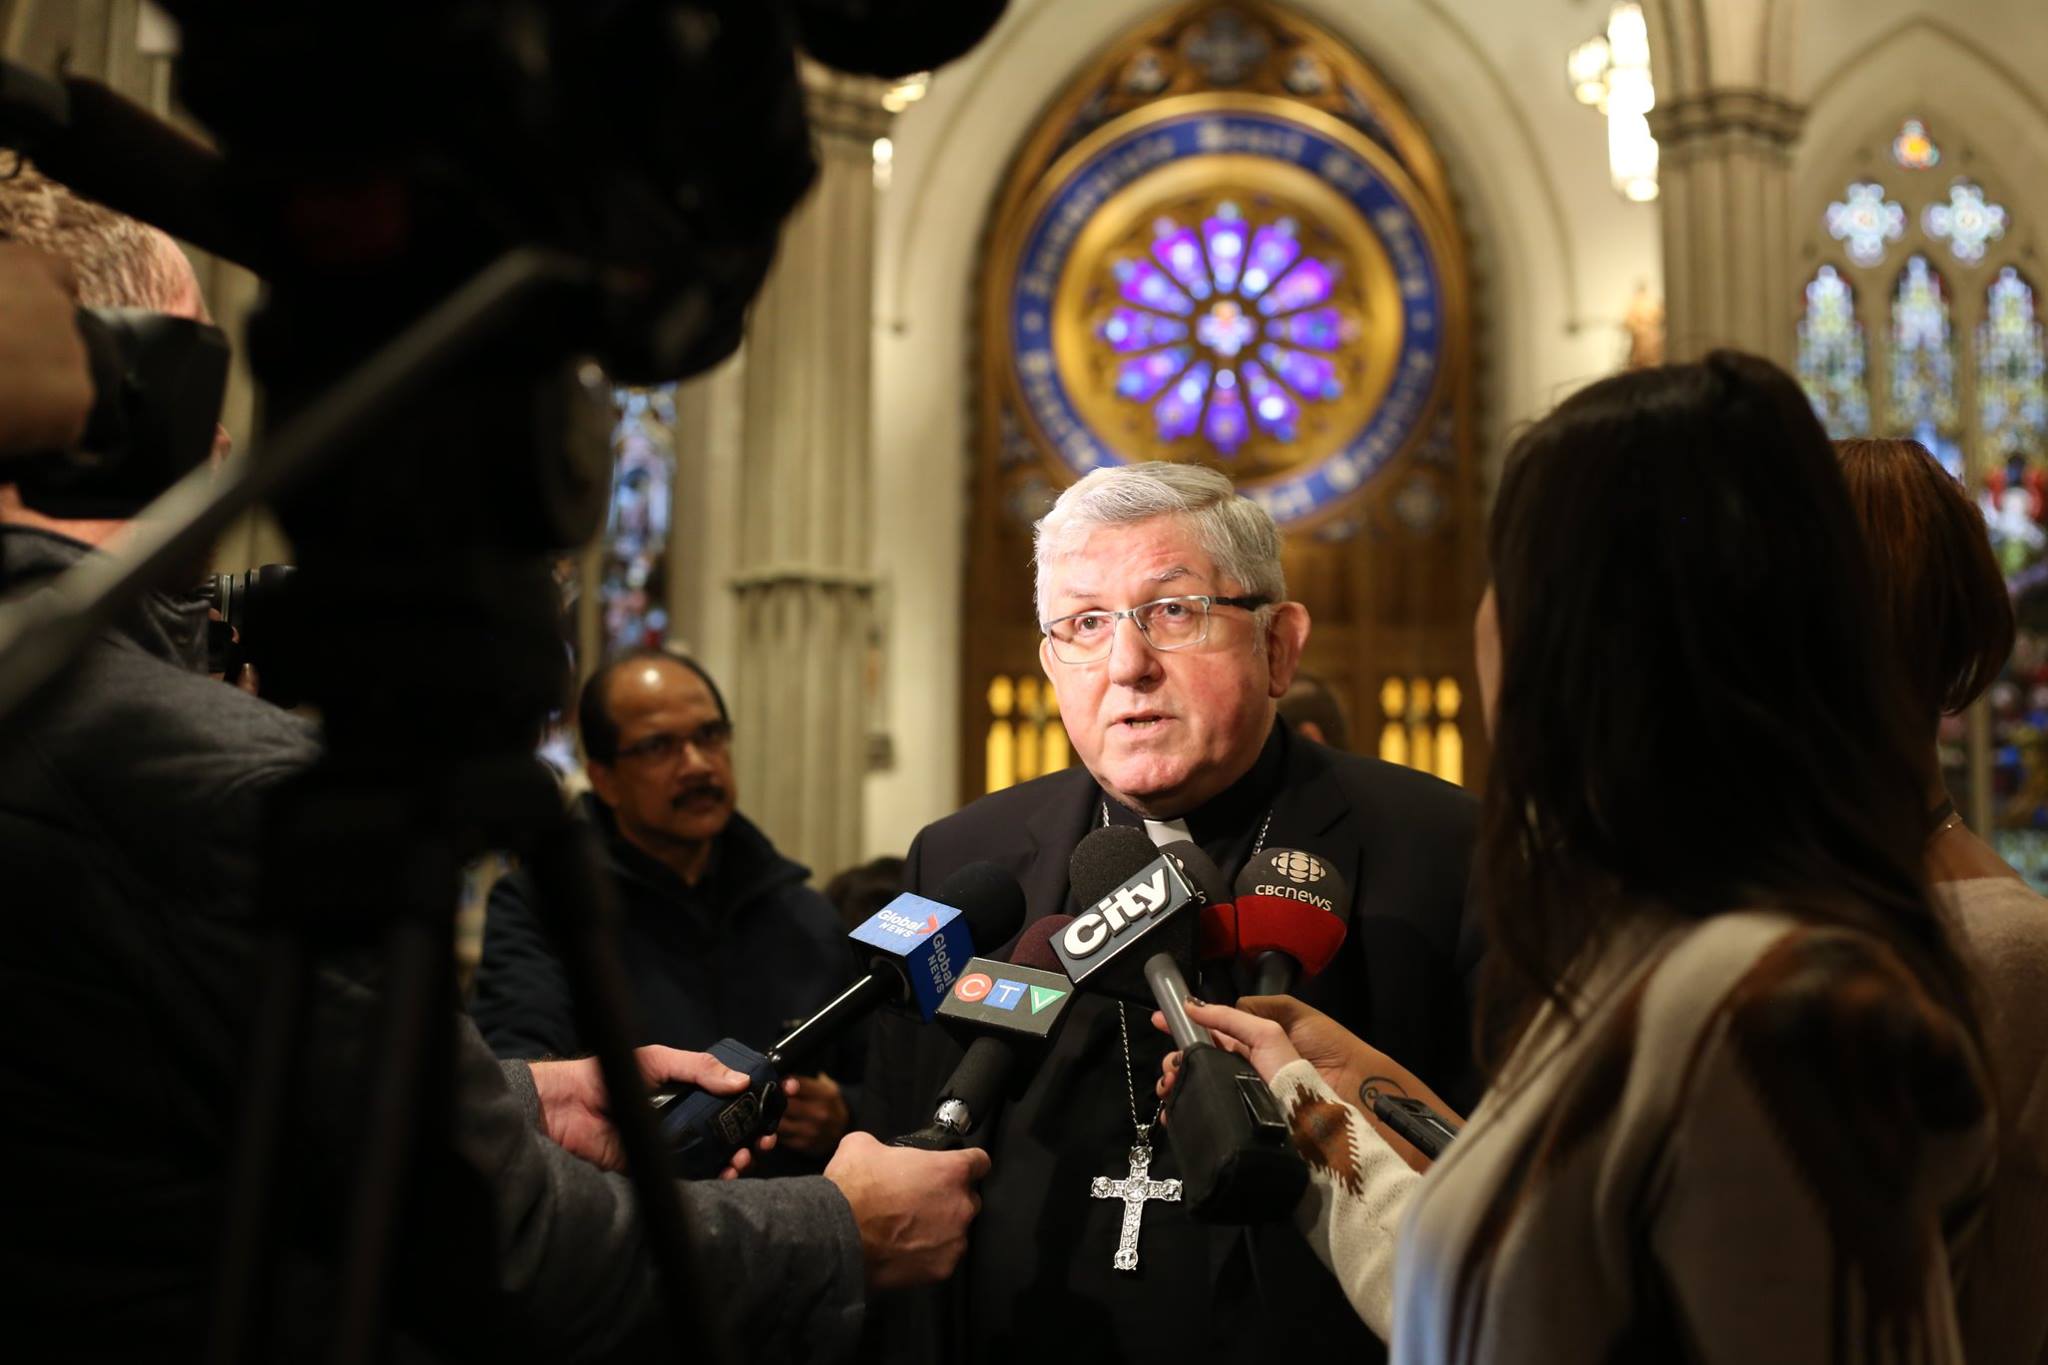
x: 1358, y: 1189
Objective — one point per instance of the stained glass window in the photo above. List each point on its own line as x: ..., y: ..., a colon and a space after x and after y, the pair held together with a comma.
x: 1831, y: 356
x: 1913, y: 149
x: 1923, y: 363
x: 1864, y: 220
x: 632, y: 587
x: 1967, y: 220
x: 1225, y: 327
x: 2013, y: 412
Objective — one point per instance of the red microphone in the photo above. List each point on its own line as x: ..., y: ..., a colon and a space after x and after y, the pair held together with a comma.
x: 1290, y: 916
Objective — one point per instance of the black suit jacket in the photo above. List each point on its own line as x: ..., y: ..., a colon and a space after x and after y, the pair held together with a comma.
x: 1402, y: 841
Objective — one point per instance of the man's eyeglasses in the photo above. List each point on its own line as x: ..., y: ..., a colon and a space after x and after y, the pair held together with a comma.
x: 709, y: 739
x: 1167, y: 623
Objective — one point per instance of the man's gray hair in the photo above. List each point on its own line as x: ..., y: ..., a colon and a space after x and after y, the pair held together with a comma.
x: 1235, y: 532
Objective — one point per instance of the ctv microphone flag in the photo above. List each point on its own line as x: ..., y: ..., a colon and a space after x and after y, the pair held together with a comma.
x: 994, y: 996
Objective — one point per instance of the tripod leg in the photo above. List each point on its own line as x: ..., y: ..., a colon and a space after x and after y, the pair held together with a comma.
x: 576, y: 900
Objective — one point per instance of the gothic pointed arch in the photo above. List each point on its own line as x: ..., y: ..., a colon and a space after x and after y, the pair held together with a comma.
x: 1229, y: 240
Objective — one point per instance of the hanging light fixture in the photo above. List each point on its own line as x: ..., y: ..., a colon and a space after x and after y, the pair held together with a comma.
x: 1610, y: 72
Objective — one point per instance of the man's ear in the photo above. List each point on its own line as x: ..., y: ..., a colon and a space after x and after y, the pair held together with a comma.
x: 603, y: 781
x: 1286, y: 637
x: 1045, y: 659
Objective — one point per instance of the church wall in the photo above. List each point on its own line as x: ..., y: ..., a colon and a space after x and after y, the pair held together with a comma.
x: 1557, y: 254
x: 1834, y: 37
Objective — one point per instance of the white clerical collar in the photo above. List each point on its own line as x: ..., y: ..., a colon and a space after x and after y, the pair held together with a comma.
x: 1164, y: 832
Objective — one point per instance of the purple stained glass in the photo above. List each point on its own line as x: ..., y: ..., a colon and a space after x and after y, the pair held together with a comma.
x: 1200, y: 304
x: 1319, y: 329
x: 1311, y: 376
x: 1180, y: 251
x: 1144, y: 284
x: 1274, y: 248
x: 1128, y: 330
x: 1138, y: 379
x: 1226, y: 330
x: 1225, y: 236
x: 1273, y: 408
x: 1308, y: 284
x: 1180, y: 411
x: 1225, y: 422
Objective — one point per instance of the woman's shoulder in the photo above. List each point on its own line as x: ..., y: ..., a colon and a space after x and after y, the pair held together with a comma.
x: 1827, y: 1030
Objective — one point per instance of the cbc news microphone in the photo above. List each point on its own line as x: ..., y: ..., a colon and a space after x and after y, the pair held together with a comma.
x: 1139, y: 924
x: 914, y: 949
x: 1292, y: 909
x: 1004, y: 1012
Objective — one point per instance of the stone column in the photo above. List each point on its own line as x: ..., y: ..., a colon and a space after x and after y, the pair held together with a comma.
x: 1724, y: 171
x: 803, y: 591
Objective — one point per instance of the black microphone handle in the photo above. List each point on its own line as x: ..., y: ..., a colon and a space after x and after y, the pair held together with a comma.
x: 1275, y: 973
x: 809, y: 1038
x: 1170, y: 992
x: 967, y: 1096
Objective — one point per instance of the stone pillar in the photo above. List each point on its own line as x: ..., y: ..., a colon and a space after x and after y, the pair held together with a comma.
x: 803, y: 592
x: 1724, y: 171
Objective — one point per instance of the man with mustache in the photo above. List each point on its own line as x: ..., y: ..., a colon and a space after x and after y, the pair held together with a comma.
x: 720, y: 935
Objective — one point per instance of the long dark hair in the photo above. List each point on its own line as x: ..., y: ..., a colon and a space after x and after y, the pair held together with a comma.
x: 1699, y: 707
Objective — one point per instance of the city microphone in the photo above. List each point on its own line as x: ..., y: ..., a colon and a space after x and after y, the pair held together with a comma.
x: 914, y: 950
x: 1238, y: 1164
x: 1004, y: 1012
x: 1292, y: 910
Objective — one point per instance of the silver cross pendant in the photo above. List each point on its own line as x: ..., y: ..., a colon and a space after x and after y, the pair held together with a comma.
x: 1135, y: 1190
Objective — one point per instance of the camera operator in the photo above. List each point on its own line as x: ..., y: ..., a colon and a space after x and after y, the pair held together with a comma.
x: 131, y: 802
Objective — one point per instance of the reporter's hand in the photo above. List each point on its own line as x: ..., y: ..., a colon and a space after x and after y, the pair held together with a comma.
x: 575, y: 1111
x: 1343, y: 1059
x: 45, y: 379
x: 817, y: 1116
x: 913, y: 1207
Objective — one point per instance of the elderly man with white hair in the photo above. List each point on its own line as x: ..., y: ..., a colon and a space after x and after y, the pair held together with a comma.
x: 1168, y: 637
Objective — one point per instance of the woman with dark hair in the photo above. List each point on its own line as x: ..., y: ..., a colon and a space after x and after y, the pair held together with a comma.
x: 1737, y: 1112
x: 1951, y: 621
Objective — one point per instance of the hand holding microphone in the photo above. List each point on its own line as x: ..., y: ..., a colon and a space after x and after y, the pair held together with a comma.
x: 1272, y: 1031
x: 914, y: 948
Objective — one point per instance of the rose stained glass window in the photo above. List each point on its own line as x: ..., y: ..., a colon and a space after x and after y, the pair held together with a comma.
x: 1923, y: 364
x: 1968, y: 220
x: 1864, y: 221
x: 1914, y: 148
x: 1832, y: 356
x: 1226, y: 328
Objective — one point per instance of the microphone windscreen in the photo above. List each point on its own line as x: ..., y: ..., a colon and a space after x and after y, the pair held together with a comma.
x: 1034, y: 946
x: 1216, y: 940
x: 1294, y: 903
x: 1202, y: 875
x: 1105, y: 860
x: 989, y: 899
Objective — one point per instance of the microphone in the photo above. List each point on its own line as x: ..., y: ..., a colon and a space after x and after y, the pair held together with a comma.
x: 1292, y: 910
x: 913, y: 947
x: 1238, y: 1164
x: 1216, y: 927
x: 1008, y: 1010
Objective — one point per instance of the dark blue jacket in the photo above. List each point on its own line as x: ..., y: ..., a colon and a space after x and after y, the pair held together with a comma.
x: 745, y: 953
